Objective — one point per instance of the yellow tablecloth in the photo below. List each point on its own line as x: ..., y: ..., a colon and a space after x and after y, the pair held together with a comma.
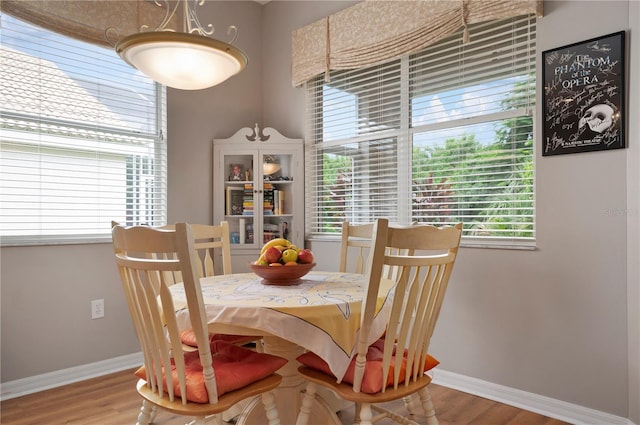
x: 321, y: 314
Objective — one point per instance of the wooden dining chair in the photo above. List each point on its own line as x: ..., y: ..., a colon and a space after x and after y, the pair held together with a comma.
x: 355, y: 242
x: 393, y: 367
x: 199, y: 383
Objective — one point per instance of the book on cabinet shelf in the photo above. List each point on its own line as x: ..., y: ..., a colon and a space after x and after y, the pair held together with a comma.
x: 234, y: 200
x: 278, y: 202
x: 276, y: 195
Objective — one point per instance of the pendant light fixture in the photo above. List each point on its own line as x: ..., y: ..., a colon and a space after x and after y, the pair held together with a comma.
x: 188, y: 60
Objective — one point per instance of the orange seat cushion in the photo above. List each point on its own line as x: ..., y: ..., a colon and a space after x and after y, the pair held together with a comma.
x: 188, y: 337
x: 235, y: 367
x: 372, y: 380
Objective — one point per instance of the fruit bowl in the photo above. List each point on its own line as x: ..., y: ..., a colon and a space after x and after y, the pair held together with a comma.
x: 282, y: 275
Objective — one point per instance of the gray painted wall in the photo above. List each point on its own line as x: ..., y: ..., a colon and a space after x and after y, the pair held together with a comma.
x: 554, y: 321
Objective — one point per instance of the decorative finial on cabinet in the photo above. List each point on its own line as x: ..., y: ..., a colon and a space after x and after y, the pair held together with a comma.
x: 257, y: 135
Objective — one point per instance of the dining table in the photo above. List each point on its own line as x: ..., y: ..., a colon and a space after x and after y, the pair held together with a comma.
x: 319, y: 313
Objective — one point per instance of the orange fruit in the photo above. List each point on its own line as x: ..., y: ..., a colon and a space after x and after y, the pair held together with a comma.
x: 290, y: 263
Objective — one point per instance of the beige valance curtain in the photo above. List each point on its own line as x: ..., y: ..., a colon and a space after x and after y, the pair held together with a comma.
x: 88, y: 20
x: 376, y: 31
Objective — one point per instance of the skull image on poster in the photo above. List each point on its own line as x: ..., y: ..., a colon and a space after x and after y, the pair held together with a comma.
x: 598, y: 118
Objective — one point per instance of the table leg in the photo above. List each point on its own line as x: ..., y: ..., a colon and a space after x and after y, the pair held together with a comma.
x: 288, y: 397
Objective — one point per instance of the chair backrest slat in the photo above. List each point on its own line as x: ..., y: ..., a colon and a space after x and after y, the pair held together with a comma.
x: 374, y: 269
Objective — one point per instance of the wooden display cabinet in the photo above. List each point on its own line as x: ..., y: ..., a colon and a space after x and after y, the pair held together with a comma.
x: 258, y: 189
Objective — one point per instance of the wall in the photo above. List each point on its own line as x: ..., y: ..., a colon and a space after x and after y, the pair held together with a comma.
x: 46, y: 309
x: 633, y: 217
x: 552, y: 321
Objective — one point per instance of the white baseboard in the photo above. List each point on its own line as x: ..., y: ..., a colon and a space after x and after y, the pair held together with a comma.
x: 550, y: 407
x: 33, y: 384
x: 567, y: 412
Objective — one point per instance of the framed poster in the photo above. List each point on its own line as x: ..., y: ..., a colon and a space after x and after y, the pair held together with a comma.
x: 583, y: 100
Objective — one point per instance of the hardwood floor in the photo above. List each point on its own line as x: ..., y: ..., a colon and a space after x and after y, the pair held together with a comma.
x: 112, y: 400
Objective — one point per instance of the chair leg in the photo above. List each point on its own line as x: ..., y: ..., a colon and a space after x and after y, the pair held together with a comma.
x: 154, y: 413
x: 365, y: 415
x: 234, y: 411
x: 410, y: 405
x: 147, y: 413
x: 427, y: 405
x: 269, y: 402
x: 307, y: 402
x: 358, y: 407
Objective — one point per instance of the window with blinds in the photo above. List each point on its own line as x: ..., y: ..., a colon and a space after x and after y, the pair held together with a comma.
x: 81, y: 140
x: 437, y: 137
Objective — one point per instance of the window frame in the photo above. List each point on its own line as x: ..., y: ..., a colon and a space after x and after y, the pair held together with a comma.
x: 95, y: 141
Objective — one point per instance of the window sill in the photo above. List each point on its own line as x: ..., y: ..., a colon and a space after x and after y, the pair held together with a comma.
x: 8, y: 241
x: 467, y: 242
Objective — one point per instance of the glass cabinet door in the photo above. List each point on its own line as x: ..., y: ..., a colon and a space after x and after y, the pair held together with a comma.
x: 277, y: 194
x: 239, y: 198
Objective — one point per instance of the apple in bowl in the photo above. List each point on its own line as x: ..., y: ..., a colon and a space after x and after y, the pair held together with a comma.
x: 272, y: 255
x: 305, y: 256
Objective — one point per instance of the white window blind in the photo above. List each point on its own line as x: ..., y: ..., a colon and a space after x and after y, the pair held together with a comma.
x: 81, y: 140
x: 457, y: 119
x: 351, y: 172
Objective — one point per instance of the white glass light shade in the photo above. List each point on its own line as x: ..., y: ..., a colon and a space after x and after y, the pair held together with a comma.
x: 269, y: 168
x: 180, y: 60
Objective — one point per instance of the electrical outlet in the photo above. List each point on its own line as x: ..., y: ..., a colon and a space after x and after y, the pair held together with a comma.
x: 97, y: 309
